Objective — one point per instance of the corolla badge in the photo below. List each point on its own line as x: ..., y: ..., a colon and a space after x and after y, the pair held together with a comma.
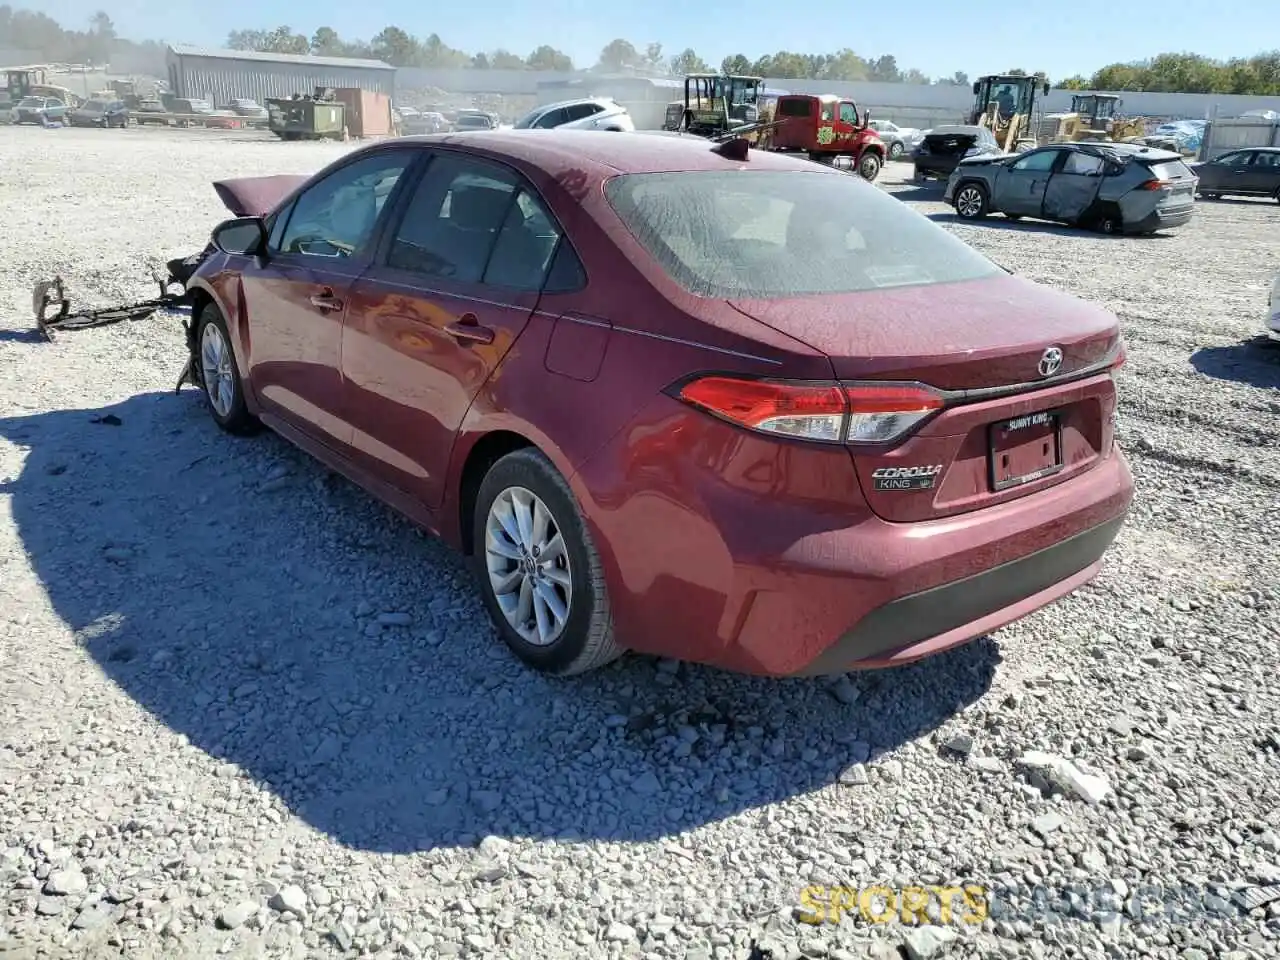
x: 1050, y: 362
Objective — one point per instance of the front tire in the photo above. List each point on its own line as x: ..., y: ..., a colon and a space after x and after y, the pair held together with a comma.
x: 971, y: 202
x: 219, y: 375
x: 540, y: 574
x: 869, y: 166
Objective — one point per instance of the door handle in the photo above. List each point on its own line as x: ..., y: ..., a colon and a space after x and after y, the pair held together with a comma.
x: 468, y: 329
x: 326, y: 301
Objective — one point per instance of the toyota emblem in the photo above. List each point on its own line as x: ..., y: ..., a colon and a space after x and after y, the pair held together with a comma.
x: 1050, y: 361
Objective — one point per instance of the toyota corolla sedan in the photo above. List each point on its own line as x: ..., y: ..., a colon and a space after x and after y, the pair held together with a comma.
x: 696, y: 401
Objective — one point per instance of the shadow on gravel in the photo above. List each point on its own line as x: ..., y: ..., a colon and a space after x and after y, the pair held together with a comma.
x: 21, y: 336
x: 922, y: 193
x: 1255, y: 363
x: 232, y: 588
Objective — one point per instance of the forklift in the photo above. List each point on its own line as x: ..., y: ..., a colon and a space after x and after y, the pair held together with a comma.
x: 714, y: 104
x: 1005, y: 105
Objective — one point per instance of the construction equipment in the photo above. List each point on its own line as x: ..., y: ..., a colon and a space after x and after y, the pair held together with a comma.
x: 317, y: 117
x: 1093, y: 116
x: 21, y: 80
x: 714, y: 103
x: 1005, y: 104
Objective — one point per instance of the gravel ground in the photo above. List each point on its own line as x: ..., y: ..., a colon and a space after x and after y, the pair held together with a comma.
x: 246, y: 711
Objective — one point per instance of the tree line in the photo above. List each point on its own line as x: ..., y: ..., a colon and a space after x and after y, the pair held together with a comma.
x: 1168, y: 72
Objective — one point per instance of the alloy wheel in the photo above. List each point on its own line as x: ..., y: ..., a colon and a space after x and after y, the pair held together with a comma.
x: 218, y: 369
x: 528, y: 566
x: 969, y: 202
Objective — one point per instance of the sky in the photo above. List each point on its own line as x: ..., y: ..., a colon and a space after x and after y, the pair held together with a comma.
x: 936, y: 36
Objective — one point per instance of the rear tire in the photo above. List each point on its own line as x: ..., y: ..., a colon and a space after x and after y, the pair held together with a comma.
x: 971, y: 202
x: 571, y: 630
x: 220, y: 375
x: 1214, y: 196
x: 896, y: 150
x: 1110, y: 224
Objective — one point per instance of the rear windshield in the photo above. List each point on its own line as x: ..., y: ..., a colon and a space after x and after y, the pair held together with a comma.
x: 1171, y: 170
x: 795, y: 107
x: 95, y: 105
x: 744, y: 234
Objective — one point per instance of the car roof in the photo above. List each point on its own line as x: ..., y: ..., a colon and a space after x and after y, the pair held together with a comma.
x: 574, y: 102
x: 1123, y: 150
x: 606, y: 153
x: 948, y: 129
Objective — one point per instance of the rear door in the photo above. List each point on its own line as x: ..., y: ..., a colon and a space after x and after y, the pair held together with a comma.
x: 1021, y: 186
x: 1263, y: 176
x: 1073, y: 188
x: 295, y: 298
x: 455, y: 282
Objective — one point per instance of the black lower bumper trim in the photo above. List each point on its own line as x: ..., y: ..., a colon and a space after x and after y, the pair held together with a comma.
x: 930, y: 613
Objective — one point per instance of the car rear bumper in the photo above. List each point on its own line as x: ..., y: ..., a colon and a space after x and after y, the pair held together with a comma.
x: 1162, y: 220
x: 744, y: 568
x: 935, y: 165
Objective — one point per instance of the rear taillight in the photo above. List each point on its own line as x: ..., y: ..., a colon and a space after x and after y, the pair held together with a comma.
x: 826, y: 412
x: 1155, y: 185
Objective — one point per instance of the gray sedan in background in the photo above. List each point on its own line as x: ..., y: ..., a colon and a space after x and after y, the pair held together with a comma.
x: 1111, y: 187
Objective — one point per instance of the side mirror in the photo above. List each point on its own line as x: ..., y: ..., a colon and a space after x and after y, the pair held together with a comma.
x: 975, y: 88
x: 243, y: 236
x: 1046, y: 88
x: 866, y: 118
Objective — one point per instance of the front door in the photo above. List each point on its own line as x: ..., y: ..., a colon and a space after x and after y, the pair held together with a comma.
x: 1226, y: 173
x: 295, y: 297
x: 1021, y: 186
x: 1073, y: 188
x: 455, y: 283
x: 846, y: 127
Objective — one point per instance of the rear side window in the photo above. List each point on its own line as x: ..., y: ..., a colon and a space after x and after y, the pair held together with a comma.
x: 795, y: 107
x: 580, y: 111
x: 771, y: 234
x: 1084, y: 164
x: 1171, y: 170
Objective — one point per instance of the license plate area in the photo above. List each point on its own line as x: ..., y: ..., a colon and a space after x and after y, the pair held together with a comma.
x: 1024, y: 449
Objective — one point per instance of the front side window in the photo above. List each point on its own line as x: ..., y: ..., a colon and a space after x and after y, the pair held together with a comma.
x: 770, y: 234
x: 1038, y: 162
x: 552, y: 118
x: 336, y: 217
x: 848, y: 114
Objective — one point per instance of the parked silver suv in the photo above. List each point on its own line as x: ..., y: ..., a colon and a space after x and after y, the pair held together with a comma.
x: 589, y: 113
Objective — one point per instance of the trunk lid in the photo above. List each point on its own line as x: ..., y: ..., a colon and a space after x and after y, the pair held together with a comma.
x: 949, y: 144
x: 954, y: 336
x: 1020, y: 432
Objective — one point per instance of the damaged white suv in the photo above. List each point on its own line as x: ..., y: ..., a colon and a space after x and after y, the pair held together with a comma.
x: 589, y: 113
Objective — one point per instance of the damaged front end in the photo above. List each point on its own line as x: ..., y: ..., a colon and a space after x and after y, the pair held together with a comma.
x: 244, y: 197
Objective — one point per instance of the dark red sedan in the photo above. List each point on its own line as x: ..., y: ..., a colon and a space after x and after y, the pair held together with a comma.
x: 721, y: 406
